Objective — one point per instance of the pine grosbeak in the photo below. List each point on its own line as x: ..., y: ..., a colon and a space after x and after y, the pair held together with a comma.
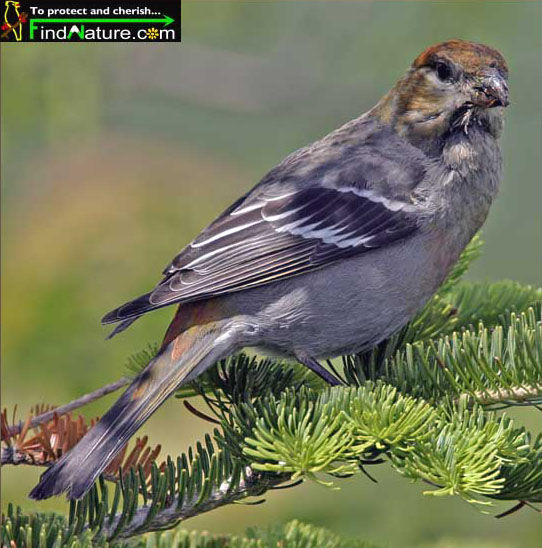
x: 335, y: 249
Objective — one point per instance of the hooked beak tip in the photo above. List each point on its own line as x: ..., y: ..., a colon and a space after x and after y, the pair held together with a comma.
x: 491, y: 92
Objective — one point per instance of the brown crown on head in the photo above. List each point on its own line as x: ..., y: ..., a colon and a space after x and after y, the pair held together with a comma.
x: 471, y: 56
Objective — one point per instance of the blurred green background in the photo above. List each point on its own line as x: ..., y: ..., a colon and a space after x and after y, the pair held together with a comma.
x: 115, y: 156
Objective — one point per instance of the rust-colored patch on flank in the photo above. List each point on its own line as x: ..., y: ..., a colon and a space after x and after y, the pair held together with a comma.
x: 470, y: 55
x: 185, y: 340
x: 193, y: 314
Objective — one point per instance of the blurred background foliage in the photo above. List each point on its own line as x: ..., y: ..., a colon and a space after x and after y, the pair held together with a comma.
x: 115, y: 156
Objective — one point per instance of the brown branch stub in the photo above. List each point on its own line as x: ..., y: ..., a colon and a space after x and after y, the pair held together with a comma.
x: 51, y: 439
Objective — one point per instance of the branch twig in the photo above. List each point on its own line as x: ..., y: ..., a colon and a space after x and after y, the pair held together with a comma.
x: 254, y: 484
x: 74, y: 404
x: 520, y: 395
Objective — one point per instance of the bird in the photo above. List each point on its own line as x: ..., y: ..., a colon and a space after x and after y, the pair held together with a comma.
x: 335, y: 249
x: 13, y: 19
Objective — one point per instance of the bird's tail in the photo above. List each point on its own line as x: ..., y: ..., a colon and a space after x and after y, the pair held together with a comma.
x: 178, y: 362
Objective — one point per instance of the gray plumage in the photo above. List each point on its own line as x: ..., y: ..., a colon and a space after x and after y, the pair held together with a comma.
x: 334, y: 250
x: 446, y: 200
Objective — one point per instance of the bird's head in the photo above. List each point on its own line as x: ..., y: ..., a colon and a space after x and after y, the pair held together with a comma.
x: 449, y: 86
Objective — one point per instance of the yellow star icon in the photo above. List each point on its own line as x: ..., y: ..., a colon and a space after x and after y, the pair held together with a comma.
x: 152, y: 33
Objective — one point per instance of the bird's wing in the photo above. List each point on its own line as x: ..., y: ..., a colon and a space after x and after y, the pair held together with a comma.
x: 274, y: 234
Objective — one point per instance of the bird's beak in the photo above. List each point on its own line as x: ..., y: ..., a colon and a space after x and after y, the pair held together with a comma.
x: 491, y: 90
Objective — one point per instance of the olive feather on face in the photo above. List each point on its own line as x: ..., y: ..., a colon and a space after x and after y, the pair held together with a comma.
x: 450, y: 85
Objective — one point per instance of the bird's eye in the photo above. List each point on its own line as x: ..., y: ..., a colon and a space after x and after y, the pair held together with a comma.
x: 444, y: 72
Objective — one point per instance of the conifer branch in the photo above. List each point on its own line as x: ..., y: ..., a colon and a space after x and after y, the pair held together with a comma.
x: 57, y: 436
x: 497, y: 365
x: 145, y: 518
x: 19, y: 529
x: 420, y: 401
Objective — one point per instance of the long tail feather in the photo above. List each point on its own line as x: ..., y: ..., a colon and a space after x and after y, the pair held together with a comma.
x: 180, y: 361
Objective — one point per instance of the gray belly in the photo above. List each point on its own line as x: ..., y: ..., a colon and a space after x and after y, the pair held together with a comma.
x: 347, y: 306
